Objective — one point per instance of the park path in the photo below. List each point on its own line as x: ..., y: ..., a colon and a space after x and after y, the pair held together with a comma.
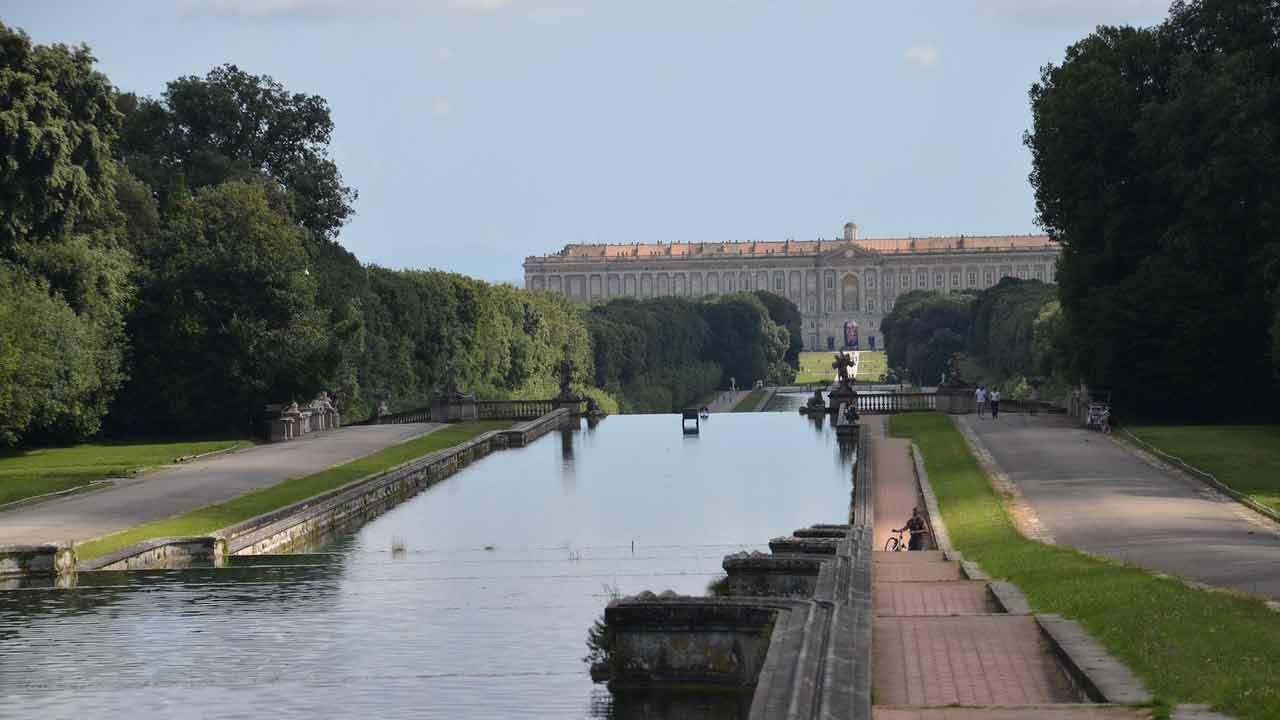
x: 180, y: 488
x: 938, y: 638
x: 1090, y: 493
x: 727, y: 400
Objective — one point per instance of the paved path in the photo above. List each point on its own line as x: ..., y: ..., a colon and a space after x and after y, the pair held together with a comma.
x: 938, y: 638
x: 1093, y: 494
x: 727, y: 400
x: 897, y: 494
x: 181, y: 488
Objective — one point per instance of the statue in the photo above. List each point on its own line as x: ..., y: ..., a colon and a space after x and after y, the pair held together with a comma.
x: 566, y: 368
x: 841, y: 365
x: 451, y: 381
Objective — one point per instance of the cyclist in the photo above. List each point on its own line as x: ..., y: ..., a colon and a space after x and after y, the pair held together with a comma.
x: 918, y: 531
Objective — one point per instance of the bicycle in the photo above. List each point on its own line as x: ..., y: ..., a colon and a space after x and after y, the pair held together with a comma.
x: 895, y: 544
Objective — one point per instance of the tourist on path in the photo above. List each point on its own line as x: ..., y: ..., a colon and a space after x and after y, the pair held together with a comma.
x: 980, y: 395
x: 995, y: 404
x: 916, y: 525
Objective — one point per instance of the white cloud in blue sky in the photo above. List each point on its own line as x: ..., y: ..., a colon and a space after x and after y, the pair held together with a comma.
x: 592, y: 121
x: 922, y: 55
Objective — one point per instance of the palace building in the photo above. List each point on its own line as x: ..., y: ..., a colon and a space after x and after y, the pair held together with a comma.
x: 837, y: 284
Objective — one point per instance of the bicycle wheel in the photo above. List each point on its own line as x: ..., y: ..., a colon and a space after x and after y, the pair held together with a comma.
x: 892, y: 544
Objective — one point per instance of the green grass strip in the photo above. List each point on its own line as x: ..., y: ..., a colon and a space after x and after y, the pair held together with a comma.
x: 873, y: 365
x: 210, y: 518
x: 1245, y: 458
x: 1187, y: 645
x: 749, y: 403
x: 38, y: 471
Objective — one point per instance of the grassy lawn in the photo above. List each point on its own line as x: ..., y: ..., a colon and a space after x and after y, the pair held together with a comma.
x: 210, y: 518
x: 749, y: 403
x: 815, y: 367
x: 27, y: 473
x: 1243, y: 457
x: 1187, y: 645
x: 872, y: 366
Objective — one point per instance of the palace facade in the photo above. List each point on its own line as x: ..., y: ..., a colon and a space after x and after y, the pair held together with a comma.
x: 832, y: 281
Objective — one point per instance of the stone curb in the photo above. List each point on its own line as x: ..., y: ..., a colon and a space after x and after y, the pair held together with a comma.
x: 1197, y: 712
x: 144, y: 547
x: 200, y: 456
x: 1103, y: 678
x: 92, y: 486
x: 1197, y: 473
x: 1009, y: 597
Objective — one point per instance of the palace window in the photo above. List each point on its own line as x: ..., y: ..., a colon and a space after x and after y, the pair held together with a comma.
x: 955, y: 278
x: 938, y: 280
x: 831, y: 305
x: 811, y: 305
x: 831, y: 282
x: 871, y: 304
x: 973, y: 278
x: 1040, y: 272
x: 906, y: 280
x: 871, y: 281
x: 779, y: 282
x: 922, y: 280
x: 989, y: 276
x: 849, y: 291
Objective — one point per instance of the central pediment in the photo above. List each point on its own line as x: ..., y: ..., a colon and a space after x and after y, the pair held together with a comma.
x: 848, y: 252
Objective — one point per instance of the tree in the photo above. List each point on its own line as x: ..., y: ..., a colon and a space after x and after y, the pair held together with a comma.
x: 60, y: 232
x: 228, y: 320
x: 230, y: 125
x: 1156, y: 161
x: 785, y: 313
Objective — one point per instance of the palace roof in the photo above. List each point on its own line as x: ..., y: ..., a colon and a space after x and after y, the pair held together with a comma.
x: 752, y: 248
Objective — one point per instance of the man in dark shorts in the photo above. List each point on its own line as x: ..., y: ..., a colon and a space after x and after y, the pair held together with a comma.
x: 918, y: 530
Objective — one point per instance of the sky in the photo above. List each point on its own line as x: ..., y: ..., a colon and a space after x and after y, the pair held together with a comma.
x: 478, y: 132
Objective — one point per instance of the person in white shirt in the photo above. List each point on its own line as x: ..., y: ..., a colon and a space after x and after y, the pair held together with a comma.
x: 995, y: 404
x: 980, y: 395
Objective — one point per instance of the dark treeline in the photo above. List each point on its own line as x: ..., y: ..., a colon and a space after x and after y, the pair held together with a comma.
x: 667, y: 353
x: 1008, y: 335
x: 171, y: 265
x: 1156, y: 163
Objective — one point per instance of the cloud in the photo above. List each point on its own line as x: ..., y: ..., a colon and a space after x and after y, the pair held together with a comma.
x: 1082, y: 12
x: 441, y: 107
x: 921, y: 55
x: 444, y: 55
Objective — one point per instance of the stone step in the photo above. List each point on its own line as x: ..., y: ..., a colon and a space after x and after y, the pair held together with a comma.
x: 909, y: 556
x: 975, y: 660
x: 925, y: 571
x: 933, y: 599
x: 1029, y: 712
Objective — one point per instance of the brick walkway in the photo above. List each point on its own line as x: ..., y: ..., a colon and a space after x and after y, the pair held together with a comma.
x: 941, y: 640
x: 932, y: 598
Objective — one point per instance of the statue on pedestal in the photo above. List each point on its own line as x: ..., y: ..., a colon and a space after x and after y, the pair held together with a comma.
x: 566, y: 368
x: 841, y: 365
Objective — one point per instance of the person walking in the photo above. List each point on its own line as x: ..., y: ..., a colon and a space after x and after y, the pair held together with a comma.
x: 995, y: 404
x: 980, y: 397
x: 919, y: 532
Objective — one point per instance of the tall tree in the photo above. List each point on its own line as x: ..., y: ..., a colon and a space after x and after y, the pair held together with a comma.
x: 228, y: 320
x: 1156, y: 162
x: 60, y: 231
x: 230, y: 124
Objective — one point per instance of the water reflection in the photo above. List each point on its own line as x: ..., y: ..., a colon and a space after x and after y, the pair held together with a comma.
x: 483, y: 614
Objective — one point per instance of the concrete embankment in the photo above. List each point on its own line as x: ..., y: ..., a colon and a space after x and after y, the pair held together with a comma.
x: 282, y: 529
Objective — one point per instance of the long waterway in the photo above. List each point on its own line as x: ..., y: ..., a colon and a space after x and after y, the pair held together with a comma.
x: 482, y: 615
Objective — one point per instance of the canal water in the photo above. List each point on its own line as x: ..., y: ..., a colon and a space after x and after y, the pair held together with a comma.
x: 470, y: 600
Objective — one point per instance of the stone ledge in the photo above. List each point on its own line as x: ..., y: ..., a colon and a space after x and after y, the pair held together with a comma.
x: 160, y: 552
x: 22, y: 560
x: 1101, y: 677
x: 1009, y: 597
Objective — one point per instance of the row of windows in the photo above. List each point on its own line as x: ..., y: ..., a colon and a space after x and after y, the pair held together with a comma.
x: 851, y: 285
